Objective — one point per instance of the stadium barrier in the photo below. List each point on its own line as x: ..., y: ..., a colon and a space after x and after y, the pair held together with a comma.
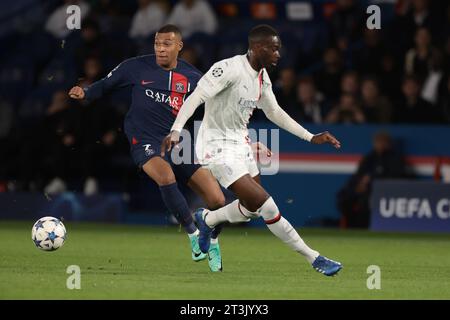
x: 410, y: 206
x: 304, y: 188
x: 310, y: 176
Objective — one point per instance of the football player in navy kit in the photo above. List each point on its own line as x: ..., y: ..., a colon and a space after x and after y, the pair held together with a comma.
x: 160, y: 83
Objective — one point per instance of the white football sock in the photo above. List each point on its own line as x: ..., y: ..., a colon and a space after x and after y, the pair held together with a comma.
x: 195, y: 233
x: 280, y: 227
x: 233, y: 212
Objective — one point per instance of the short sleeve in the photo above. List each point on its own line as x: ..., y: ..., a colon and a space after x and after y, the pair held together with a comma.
x: 220, y: 76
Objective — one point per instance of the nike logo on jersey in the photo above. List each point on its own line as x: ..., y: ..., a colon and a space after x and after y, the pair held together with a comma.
x: 143, y: 82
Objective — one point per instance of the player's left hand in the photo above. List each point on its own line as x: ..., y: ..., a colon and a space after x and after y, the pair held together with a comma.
x: 326, y: 137
x: 260, y: 148
x: 169, y: 141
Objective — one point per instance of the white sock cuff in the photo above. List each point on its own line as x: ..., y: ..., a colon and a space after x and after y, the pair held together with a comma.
x: 269, y: 211
x: 245, y: 212
x: 234, y: 212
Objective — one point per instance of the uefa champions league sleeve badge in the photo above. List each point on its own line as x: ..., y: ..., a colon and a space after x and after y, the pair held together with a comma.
x: 217, y: 72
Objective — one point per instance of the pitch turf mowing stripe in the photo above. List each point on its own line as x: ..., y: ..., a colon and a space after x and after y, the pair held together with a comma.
x: 141, y: 262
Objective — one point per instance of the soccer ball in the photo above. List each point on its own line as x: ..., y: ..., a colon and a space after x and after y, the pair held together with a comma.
x: 48, y: 233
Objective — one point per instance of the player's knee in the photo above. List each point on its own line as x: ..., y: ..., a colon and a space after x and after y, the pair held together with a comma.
x: 269, y: 211
x: 255, y: 203
x: 251, y: 207
x: 216, y: 201
x: 247, y: 212
x: 166, y: 180
x: 159, y: 171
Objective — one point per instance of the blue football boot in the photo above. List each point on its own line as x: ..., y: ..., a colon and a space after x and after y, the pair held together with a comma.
x: 204, y: 238
x: 326, y: 266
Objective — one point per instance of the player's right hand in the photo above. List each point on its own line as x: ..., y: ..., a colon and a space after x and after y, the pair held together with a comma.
x: 76, y: 93
x: 169, y: 141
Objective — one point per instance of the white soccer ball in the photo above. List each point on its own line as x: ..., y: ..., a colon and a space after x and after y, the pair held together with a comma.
x: 48, y: 233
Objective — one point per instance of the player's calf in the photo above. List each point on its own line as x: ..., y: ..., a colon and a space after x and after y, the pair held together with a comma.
x: 281, y: 228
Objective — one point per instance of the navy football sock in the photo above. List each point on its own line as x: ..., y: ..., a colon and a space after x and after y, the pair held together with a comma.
x: 177, y: 205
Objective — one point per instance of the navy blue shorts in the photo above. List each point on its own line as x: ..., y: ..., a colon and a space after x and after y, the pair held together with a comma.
x: 144, y: 147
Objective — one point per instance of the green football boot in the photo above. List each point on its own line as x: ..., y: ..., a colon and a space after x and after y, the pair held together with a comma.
x: 214, y: 257
x: 197, y: 255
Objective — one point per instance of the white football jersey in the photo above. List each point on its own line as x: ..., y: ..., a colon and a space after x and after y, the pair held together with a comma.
x: 236, y: 90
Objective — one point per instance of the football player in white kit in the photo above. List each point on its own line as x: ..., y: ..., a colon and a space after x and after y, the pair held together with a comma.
x: 231, y: 90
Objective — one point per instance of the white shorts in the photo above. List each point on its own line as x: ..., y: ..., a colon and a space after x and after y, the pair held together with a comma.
x: 231, y: 162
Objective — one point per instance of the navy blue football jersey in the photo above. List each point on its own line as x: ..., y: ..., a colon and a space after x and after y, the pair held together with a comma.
x: 157, y: 94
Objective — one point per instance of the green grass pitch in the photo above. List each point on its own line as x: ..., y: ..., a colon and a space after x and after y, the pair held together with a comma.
x: 142, y: 262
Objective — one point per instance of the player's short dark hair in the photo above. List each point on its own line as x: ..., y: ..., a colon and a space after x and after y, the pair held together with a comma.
x: 170, y: 28
x: 261, y: 32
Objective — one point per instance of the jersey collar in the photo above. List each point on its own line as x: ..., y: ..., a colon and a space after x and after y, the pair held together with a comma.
x: 249, y: 68
x: 161, y: 68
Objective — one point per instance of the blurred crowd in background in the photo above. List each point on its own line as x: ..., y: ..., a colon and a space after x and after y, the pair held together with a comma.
x: 333, y: 70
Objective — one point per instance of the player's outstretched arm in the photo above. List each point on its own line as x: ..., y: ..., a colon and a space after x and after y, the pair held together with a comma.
x: 219, y: 76
x: 187, y: 110
x: 117, y: 78
x: 283, y: 120
x: 278, y: 116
